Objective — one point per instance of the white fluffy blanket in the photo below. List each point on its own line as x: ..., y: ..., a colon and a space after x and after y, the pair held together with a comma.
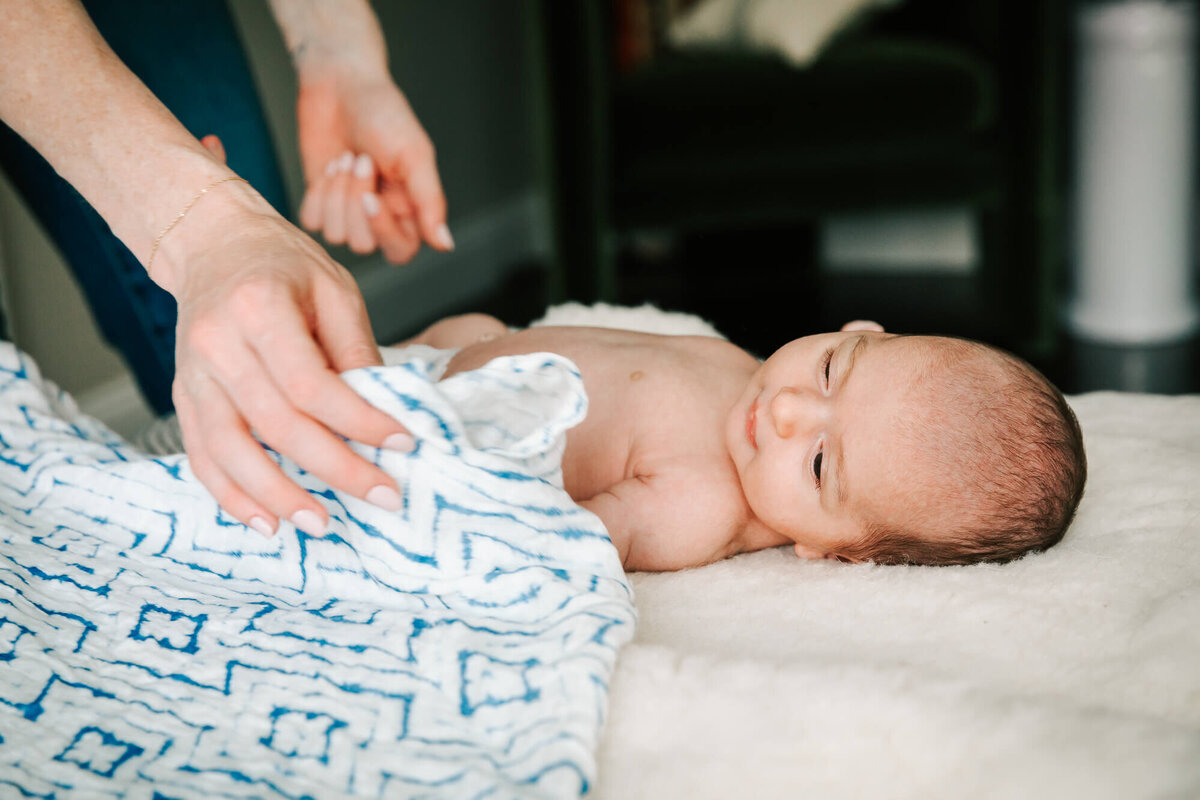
x: 1070, y: 674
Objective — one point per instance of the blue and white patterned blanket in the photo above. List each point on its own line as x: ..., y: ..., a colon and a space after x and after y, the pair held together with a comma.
x: 150, y: 646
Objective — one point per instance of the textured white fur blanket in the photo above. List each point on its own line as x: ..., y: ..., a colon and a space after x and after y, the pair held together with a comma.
x: 1074, y: 673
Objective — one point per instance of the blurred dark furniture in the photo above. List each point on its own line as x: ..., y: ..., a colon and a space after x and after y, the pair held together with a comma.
x: 932, y: 103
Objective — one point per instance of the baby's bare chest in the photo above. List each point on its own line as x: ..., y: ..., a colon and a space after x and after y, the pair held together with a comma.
x: 644, y: 415
x: 650, y: 398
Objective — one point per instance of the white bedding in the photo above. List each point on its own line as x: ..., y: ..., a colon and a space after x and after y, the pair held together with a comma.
x: 1073, y: 673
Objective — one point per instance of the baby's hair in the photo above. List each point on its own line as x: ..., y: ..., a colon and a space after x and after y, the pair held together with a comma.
x: 1011, y: 448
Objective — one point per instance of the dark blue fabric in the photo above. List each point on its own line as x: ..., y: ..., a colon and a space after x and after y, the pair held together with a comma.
x: 188, y: 53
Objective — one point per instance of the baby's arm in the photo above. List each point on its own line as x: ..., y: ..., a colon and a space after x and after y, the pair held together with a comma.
x: 460, y: 331
x: 619, y: 507
x: 663, y: 522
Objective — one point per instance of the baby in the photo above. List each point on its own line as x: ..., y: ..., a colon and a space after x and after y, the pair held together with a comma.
x: 858, y: 445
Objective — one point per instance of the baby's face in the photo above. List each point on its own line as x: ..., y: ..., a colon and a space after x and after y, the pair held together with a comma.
x: 815, y: 437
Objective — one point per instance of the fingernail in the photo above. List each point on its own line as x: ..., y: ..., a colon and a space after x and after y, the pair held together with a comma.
x: 308, y: 521
x: 331, y: 168
x: 370, y: 203
x: 363, y: 167
x: 262, y: 526
x: 400, y: 441
x: 444, y: 238
x: 385, y: 497
x: 346, y: 162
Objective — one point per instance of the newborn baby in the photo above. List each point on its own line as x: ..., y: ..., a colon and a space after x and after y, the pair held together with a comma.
x: 858, y: 445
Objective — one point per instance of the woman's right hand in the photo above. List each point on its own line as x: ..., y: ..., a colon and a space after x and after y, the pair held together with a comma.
x: 267, y: 320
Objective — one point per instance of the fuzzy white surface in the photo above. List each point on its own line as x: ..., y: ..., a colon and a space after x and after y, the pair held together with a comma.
x: 1073, y: 673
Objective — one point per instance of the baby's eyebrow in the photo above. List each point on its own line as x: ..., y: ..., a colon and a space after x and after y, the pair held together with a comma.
x: 839, y: 464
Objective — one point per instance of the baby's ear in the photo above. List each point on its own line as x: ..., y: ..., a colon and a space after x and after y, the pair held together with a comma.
x: 804, y: 551
x: 862, y: 325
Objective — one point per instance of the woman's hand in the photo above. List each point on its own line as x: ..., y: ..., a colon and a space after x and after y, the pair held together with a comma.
x: 372, y: 179
x: 266, y: 318
x: 266, y: 322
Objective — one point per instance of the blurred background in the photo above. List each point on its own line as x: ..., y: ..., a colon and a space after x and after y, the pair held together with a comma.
x: 1013, y: 171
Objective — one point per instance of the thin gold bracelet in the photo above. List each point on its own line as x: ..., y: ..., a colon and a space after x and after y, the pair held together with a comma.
x: 182, y: 214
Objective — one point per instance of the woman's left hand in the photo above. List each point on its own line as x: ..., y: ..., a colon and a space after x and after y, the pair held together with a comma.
x: 370, y: 168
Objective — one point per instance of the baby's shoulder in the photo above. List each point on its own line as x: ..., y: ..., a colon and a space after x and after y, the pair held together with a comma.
x: 696, y: 488
x: 691, y: 516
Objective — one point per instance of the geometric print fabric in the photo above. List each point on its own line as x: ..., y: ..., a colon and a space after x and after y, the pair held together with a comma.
x: 151, y: 646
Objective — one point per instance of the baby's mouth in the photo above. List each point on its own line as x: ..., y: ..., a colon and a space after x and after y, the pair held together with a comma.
x: 751, y: 424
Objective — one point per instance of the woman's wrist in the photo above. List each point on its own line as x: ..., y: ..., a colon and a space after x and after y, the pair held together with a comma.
x: 342, y: 75
x: 227, y: 205
x: 332, y: 40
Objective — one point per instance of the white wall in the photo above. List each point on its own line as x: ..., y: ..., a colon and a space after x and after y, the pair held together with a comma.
x: 468, y: 68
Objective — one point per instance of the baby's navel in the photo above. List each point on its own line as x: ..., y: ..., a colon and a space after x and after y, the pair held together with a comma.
x: 636, y: 375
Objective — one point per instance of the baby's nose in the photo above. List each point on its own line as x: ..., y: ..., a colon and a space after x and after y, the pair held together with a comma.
x: 794, y: 411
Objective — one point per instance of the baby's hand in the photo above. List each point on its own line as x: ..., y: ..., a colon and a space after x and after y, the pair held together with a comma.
x: 862, y: 325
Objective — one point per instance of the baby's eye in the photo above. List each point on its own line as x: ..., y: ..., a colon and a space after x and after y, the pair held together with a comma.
x: 817, y: 466
x: 828, y: 363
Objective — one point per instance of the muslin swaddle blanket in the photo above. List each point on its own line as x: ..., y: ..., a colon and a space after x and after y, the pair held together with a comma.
x: 150, y: 646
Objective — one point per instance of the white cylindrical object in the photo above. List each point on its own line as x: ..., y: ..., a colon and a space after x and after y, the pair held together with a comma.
x: 1133, y: 271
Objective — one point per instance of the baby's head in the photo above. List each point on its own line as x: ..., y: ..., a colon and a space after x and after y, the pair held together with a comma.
x: 863, y: 445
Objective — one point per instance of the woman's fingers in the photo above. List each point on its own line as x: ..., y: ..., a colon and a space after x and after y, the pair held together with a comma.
x: 425, y: 192
x: 313, y: 448
x: 246, y: 396
x: 397, y: 241
x: 390, y: 215
x: 260, y: 370
x: 359, y: 234
x: 337, y: 185
x: 395, y: 199
x: 312, y: 208
x: 350, y: 204
x: 232, y: 499
x: 291, y: 397
x: 214, y: 145
x: 240, y: 462
x: 217, y: 433
x: 305, y: 370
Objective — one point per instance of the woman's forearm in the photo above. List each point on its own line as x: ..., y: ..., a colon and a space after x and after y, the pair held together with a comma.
x: 65, y: 91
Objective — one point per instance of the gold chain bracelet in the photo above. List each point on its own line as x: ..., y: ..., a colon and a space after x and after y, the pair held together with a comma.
x: 179, y: 217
